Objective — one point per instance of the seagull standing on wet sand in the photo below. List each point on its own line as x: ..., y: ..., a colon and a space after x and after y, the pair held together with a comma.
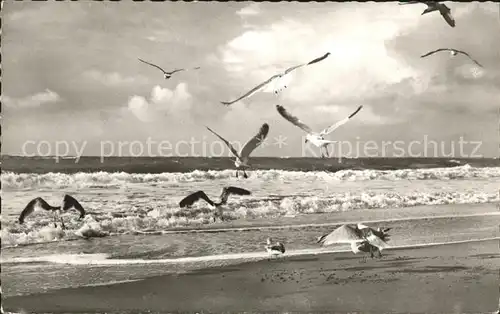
x: 226, y: 191
x: 39, y: 203
x: 273, y: 79
x: 166, y: 74
x: 361, y: 238
x: 317, y: 139
x: 242, y: 157
x: 453, y: 52
x: 435, y: 6
x: 275, y: 249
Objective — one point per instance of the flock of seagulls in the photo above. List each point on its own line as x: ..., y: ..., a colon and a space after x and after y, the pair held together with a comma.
x: 362, y: 238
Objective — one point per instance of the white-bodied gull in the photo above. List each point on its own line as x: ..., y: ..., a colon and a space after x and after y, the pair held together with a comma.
x: 453, y: 52
x: 242, y: 157
x: 166, y: 74
x: 39, y: 203
x: 226, y: 191
x: 273, y: 79
x: 317, y: 139
x: 360, y: 237
x: 275, y: 249
x: 435, y: 6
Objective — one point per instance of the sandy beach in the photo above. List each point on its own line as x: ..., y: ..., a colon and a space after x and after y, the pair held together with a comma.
x: 453, y: 278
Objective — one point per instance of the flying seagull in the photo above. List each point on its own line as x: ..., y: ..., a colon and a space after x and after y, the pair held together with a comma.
x: 274, y: 78
x: 275, y: 249
x: 435, y: 6
x: 317, y: 139
x: 39, y: 203
x: 242, y: 156
x: 166, y: 74
x: 361, y: 238
x: 226, y: 191
x: 453, y: 52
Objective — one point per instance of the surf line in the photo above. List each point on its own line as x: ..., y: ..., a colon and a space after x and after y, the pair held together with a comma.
x: 104, y: 260
x: 299, y: 226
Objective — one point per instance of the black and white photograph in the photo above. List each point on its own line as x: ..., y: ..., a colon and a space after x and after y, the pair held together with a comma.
x: 250, y: 157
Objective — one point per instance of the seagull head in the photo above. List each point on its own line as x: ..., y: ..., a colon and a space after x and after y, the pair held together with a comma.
x: 268, y: 241
x: 453, y: 53
x: 166, y: 76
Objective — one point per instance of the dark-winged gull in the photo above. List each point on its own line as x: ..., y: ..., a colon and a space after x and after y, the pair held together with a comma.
x: 274, y: 249
x: 166, y: 74
x: 226, y: 191
x: 242, y: 157
x: 39, y: 203
x: 317, y: 139
x: 453, y: 52
x: 274, y: 78
x: 435, y: 6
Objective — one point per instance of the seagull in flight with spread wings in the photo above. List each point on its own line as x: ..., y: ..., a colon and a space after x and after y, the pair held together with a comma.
x: 39, y: 203
x: 317, y: 139
x: 166, y: 74
x: 243, y: 155
x: 361, y: 237
x: 275, y: 78
x: 435, y: 6
x: 453, y: 52
x: 226, y: 191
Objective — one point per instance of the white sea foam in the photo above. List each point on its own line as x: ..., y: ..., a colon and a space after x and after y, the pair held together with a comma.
x: 15, y: 181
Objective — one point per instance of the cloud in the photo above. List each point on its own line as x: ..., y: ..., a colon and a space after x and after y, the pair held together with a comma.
x: 249, y: 10
x: 113, y: 79
x: 162, y: 102
x: 32, y: 101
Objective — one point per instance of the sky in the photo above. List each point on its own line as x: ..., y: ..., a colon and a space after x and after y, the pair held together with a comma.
x: 72, y: 83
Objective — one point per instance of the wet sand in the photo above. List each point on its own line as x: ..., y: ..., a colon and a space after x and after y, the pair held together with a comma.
x: 453, y: 278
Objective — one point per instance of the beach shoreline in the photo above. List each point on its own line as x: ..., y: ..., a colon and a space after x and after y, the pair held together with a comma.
x: 447, y: 278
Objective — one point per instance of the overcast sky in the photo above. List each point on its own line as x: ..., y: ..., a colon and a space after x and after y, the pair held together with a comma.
x: 70, y: 72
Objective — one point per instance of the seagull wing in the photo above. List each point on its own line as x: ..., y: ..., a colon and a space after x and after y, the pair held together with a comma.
x: 70, y: 202
x: 294, y: 68
x: 226, y: 191
x: 446, y: 14
x: 176, y: 70
x: 255, y: 141
x: 319, y: 59
x: 231, y: 148
x: 252, y: 91
x: 154, y: 65
x: 376, y: 241
x: 294, y: 120
x: 465, y: 53
x: 32, y: 205
x: 343, y: 234
x: 434, y: 51
x: 331, y: 128
x: 192, y: 198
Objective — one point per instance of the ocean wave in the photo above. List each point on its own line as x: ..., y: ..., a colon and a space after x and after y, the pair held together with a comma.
x: 157, y: 220
x: 14, y: 181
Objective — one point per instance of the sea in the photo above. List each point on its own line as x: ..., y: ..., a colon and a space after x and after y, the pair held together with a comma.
x: 135, y: 229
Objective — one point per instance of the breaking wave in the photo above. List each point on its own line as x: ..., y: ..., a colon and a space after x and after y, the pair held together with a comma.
x: 14, y: 181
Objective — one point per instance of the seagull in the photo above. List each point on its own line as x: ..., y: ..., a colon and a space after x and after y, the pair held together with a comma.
x: 317, y: 139
x: 435, y: 6
x: 453, y: 52
x: 242, y: 157
x: 275, y: 249
x: 274, y: 78
x: 39, y: 203
x: 361, y: 238
x: 166, y: 74
x: 226, y: 191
